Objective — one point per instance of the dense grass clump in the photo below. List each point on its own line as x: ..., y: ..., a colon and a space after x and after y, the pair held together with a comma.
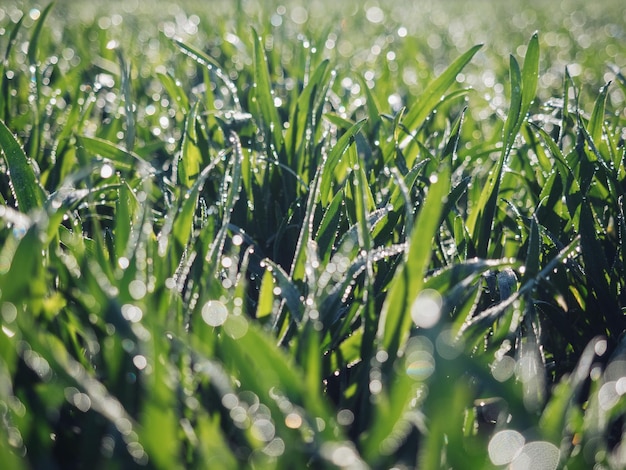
x: 278, y: 237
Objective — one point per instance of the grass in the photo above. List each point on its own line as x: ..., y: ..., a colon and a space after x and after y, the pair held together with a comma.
x: 311, y: 243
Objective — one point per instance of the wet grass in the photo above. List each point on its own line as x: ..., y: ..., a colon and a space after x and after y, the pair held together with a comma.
x: 362, y: 236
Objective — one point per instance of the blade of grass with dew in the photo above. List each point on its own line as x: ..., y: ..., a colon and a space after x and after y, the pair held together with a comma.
x: 125, y: 206
x: 34, y: 140
x: 523, y: 90
x: 210, y: 64
x: 328, y: 228
x: 264, y: 98
x: 232, y: 195
x: 395, y: 320
x: 298, y: 267
x: 289, y: 293
x: 435, y: 91
x: 335, y: 165
x: 174, y: 88
x: 4, y: 83
x: 28, y: 193
x: 123, y: 159
x: 596, y: 121
x: 129, y: 113
x: 190, y: 157
x: 306, y: 114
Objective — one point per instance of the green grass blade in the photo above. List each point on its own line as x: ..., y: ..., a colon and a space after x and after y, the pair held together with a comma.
x: 126, y: 206
x: 395, y: 320
x: 264, y: 95
x: 210, y: 64
x: 334, y: 165
x: 123, y: 158
x: 306, y: 233
x: 34, y: 39
x: 328, y: 227
x: 435, y: 91
x: 232, y: 195
x: 289, y: 292
x: 530, y: 77
x: 24, y: 184
x: 174, y: 88
x: 523, y: 90
x: 4, y: 83
x: 190, y: 157
x: 534, y: 251
x: 129, y: 113
x: 596, y: 121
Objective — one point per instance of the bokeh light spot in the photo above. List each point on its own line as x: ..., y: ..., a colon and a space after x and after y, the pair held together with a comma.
x: 214, y: 313
x: 426, y: 309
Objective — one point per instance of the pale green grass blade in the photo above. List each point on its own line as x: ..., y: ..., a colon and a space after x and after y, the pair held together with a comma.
x: 395, y: 319
x: 530, y: 77
x: 126, y: 207
x: 265, y: 304
x: 24, y: 184
x: 175, y: 90
x: 433, y: 93
x: 596, y: 121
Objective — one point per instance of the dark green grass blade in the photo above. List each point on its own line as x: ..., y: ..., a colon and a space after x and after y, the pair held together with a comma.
x: 26, y: 189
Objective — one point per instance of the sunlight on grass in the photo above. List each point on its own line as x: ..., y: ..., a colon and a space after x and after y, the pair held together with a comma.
x: 268, y: 235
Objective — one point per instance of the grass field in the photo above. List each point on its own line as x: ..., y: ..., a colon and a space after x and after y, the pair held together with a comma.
x: 353, y: 235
